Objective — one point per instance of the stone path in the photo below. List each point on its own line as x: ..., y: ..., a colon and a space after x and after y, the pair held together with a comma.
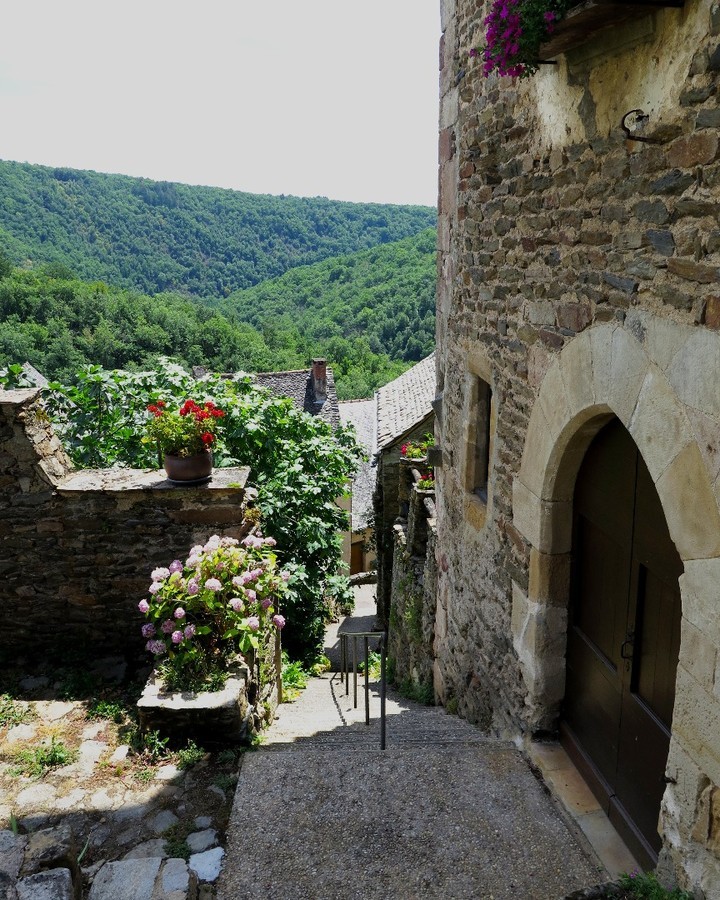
x: 321, y: 812
x: 111, y: 810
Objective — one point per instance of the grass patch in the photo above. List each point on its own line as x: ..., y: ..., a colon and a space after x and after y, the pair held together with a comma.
x: 40, y: 760
x: 11, y: 712
x: 645, y: 886
x: 107, y: 709
x: 420, y: 693
x: 226, y: 782
x: 176, y: 845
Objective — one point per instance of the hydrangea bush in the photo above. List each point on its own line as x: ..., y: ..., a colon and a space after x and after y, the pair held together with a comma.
x: 222, y: 601
x: 514, y: 31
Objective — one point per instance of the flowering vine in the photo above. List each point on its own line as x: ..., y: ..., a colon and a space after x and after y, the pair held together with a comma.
x: 514, y: 31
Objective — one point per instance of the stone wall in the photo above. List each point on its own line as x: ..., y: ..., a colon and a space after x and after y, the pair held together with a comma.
x: 578, y: 277
x: 388, y: 509
x: 412, y: 613
x: 78, y: 547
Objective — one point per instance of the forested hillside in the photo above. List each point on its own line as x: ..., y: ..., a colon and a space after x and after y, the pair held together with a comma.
x: 385, y: 296
x: 59, y: 323
x: 160, y: 236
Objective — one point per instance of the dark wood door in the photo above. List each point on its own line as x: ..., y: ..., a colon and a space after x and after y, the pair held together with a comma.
x: 623, y: 637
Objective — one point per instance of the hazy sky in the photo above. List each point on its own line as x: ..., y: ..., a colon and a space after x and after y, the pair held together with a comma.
x: 310, y: 97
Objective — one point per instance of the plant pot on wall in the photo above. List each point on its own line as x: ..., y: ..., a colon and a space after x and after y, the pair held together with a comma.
x: 189, y: 469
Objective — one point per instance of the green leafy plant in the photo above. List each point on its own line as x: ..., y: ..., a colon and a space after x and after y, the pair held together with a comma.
x: 40, y: 760
x: 514, y: 31
x: 190, y: 430
x: 155, y: 747
x: 294, y: 678
x: 176, y: 845
x: 374, y: 665
x: 427, y: 483
x: 225, y: 782
x: 190, y: 755
x: 420, y: 693
x: 645, y: 886
x: 221, y: 602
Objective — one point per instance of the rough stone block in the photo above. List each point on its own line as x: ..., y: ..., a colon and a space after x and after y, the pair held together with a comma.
x: 55, y: 884
x: 690, y: 506
x: 657, y: 426
x: 132, y: 879
x: 545, y: 524
x: 694, y: 150
x: 698, y: 654
x: 12, y: 849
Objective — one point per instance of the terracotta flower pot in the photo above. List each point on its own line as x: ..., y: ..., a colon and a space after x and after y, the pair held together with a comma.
x: 189, y: 468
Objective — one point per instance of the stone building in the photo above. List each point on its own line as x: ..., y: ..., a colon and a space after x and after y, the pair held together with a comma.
x: 361, y: 414
x: 404, y: 413
x: 578, y: 336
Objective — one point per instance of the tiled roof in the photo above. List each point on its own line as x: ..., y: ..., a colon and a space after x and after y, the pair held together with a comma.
x: 298, y: 386
x: 405, y: 402
x: 361, y: 414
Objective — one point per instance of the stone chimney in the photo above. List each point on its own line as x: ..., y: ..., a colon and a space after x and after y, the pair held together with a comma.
x: 319, y: 378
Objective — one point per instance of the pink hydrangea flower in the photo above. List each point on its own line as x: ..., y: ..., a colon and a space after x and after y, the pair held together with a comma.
x: 179, y: 613
x: 155, y: 587
x: 143, y: 606
x: 279, y: 622
x: 267, y: 603
x: 229, y: 542
x: 168, y: 626
x: 270, y: 542
x: 148, y: 630
x: 251, y: 595
x: 189, y: 631
x: 212, y: 584
x: 175, y: 566
x: 177, y: 637
x: 192, y: 587
x: 237, y: 604
x: 253, y: 623
x: 156, y: 647
x: 238, y: 580
x: 285, y: 575
x: 159, y: 574
x: 212, y: 544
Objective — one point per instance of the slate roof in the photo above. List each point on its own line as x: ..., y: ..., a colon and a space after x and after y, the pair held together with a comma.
x: 405, y: 402
x: 298, y: 386
x: 361, y: 414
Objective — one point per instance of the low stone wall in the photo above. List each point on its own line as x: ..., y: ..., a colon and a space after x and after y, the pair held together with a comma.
x: 77, y: 547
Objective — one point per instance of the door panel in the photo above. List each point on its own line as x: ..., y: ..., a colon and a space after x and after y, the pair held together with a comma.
x: 623, y: 636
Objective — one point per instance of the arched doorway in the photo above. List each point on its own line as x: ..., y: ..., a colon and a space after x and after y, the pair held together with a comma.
x: 623, y: 637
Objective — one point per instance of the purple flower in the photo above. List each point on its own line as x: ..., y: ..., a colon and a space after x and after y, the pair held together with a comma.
x: 143, y: 606
x: 473, y: 52
x: 238, y: 580
x: 237, y: 604
x: 229, y: 542
x: 159, y: 574
x: 267, y: 603
x: 192, y: 587
x: 148, y: 630
x: 156, y: 647
x: 176, y: 566
x: 177, y: 637
x: 189, y: 631
x: 212, y: 544
x: 279, y: 622
x: 270, y: 542
x: 253, y: 623
x: 179, y: 613
x: 167, y: 626
x: 155, y: 587
x: 251, y: 595
x: 212, y: 584
x: 285, y: 576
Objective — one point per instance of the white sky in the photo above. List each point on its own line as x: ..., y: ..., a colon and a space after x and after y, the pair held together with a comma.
x: 308, y: 97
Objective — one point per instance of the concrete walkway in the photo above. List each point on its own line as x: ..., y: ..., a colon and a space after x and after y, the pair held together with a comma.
x: 321, y: 812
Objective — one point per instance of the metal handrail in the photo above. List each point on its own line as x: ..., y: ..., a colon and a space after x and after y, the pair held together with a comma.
x: 345, y: 637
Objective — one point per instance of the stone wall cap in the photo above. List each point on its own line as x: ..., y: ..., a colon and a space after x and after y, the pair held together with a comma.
x: 19, y: 396
x: 122, y: 480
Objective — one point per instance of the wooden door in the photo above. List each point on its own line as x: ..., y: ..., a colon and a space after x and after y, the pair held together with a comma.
x: 623, y: 637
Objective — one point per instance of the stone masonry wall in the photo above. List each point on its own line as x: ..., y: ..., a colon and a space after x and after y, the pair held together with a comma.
x: 578, y: 276
x: 412, y: 612
x: 78, y: 547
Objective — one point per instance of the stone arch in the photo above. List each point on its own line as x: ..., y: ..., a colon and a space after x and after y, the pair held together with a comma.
x: 604, y: 372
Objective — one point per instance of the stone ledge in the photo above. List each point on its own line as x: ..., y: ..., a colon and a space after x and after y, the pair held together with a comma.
x: 115, y: 481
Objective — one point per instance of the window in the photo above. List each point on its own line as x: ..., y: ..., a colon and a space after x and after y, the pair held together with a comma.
x: 480, y: 437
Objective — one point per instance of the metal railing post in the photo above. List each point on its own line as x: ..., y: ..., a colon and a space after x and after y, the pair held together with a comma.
x: 367, y: 681
x: 383, y: 671
x: 355, y: 672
